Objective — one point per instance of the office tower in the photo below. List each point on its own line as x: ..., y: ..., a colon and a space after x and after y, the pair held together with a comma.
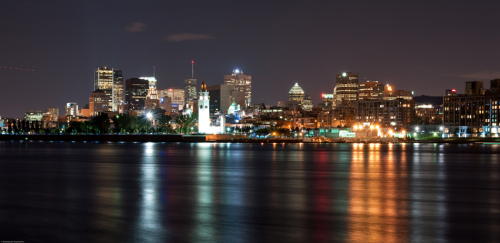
x: 177, y: 97
x: 152, y: 81
x: 307, y: 104
x: 222, y: 96
x: 189, y: 90
x: 135, y: 93
x: 118, y: 94
x: 296, y: 94
x: 98, y: 103
x: 71, y: 109
x: 104, y: 80
x: 366, y: 89
x: 388, y: 92
x: 347, y: 86
x: 242, y: 83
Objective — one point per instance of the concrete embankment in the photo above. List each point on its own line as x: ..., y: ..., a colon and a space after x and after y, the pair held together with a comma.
x: 108, y: 138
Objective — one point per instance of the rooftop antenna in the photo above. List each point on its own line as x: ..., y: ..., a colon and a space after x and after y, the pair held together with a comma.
x: 192, y: 69
x: 154, y: 68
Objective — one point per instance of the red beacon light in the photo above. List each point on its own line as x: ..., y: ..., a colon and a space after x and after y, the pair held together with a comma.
x: 454, y: 90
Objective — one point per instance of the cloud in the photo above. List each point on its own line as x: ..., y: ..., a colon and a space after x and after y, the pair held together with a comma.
x: 482, y: 75
x: 136, y: 27
x: 187, y: 37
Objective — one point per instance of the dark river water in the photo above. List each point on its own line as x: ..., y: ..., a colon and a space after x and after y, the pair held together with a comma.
x: 222, y: 192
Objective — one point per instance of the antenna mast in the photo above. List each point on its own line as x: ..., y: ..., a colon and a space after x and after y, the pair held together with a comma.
x: 192, y: 69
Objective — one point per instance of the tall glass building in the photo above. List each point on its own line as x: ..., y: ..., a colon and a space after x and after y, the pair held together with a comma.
x: 241, y: 83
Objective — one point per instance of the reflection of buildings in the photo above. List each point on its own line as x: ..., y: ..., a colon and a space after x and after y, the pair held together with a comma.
x: 378, y: 208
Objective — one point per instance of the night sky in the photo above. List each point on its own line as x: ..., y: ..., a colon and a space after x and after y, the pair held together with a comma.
x: 425, y: 46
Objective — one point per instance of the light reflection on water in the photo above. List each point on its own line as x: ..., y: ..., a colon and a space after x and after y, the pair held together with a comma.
x: 222, y: 192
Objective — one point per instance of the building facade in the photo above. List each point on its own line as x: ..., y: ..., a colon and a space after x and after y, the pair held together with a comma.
x: 242, y: 83
x: 135, y: 93
x: 366, y: 89
x: 397, y: 112
x: 177, y: 97
x: 98, y: 103
x: 72, y: 109
x: 190, y: 90
x: 347, y: 86
x: 118, y: 90
x: 104, y: 80
x: 296, y: 93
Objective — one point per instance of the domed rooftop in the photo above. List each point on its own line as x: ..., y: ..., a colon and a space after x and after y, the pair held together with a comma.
x: 296, y: 89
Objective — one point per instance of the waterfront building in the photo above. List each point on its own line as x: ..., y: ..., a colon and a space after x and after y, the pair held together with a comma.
x: 204, y: 121
x: 388, y: 92
x: 72, y: 109
x: 189, y: 90
x: 347, y: 86
x: 135, y: 94
x: 398, y: 112
x: 51, y: 114
x: 475, y: 113
x: 98, y: 103
x: 428, y: 114
x: 242, y: 83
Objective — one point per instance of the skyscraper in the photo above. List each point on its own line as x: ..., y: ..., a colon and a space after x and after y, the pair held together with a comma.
x: 189, y: 90
x: 242, y: 83
x: 118, y: 94
x: 347, y: 86
x: 296, y: 94
x: 98, y: 102
x: 103, y: 80
x: 135, y: 93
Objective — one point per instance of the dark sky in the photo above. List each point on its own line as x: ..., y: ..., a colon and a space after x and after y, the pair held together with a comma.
x: 424, y: 46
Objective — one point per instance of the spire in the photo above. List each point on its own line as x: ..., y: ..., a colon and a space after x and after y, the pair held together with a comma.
x: 203, y: 86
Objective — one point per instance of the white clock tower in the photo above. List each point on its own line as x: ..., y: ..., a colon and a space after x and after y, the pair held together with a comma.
x: 204, y: 110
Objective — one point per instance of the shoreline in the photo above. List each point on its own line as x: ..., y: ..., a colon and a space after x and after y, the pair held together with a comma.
x: 202, y: 138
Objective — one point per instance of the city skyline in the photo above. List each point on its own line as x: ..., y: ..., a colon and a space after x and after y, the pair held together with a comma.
x: 414, y: 53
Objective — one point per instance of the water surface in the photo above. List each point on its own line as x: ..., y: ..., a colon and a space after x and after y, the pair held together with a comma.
x: 223, y: 192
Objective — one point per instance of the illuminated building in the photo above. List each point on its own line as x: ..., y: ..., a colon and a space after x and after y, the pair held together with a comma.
x: 398, y: 112
x: 98, y: 103
x: 118, y: 89
x: 33, y: 116
x: 427, y: 113
x: 366, y: 89
x: 152, y: 99
x: 177, y: 97
x: 296, y: 94
x: 152, y: 81
x: 51, y: 114
x: 189, y: 90
x: 242, y: 83
x: 135, y: 94
x: 475, y: 113
x: 104, y: 80
x: 282, y: 103
x: 347, y: 86
x: 72, y: 109
x: 222, y: 96
x: 166, y: 103
x: 307, y: 104
x: 388, y: 92
x: 204, y: 122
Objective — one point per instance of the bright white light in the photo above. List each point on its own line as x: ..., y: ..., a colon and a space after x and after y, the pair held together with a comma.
x: 149, y: 115
x: 237, y: 71
x: 344, y: 74
x: 416, y: 128
x: 441, y: 128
